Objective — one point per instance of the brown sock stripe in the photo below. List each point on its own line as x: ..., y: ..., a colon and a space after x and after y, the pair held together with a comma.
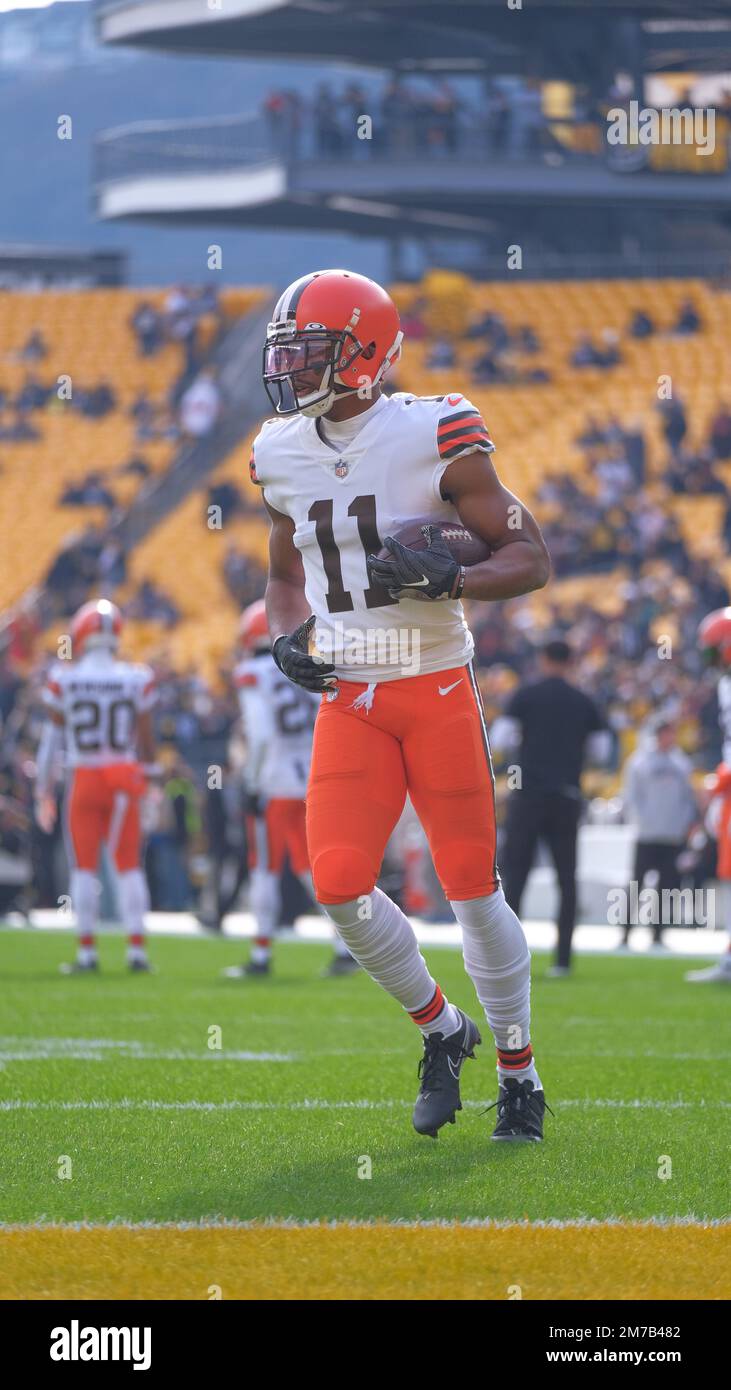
x: 430, y: 1011
x: 515, y: 1060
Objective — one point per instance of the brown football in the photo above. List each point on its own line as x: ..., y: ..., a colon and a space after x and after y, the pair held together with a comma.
x: 467, y: 548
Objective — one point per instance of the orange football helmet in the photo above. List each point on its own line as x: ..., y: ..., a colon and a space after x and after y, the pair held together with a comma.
x: 714, y: 637
x: 254, y: 628
x: 97, y: 624
x: 332, y: 332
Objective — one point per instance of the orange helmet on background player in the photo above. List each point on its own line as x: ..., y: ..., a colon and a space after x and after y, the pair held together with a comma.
x: 714, y: 637
x: 254, y: 628
x: 331, y: 332
x: 97, y: 624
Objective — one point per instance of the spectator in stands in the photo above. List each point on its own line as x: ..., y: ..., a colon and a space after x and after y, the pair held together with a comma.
x: 32, y: 395
x: 89, y: 493
x: 486, y: 369
x: 634, y: 445
x: 688, y: 320
x: 35, y: 347
x: 674, y: 422
x: 328, y: 135
x: 181, y: 319
x: 147, y: 325
x: 592, y: 433
x: 18, y: 429
x: 243, y: 577
x: 412, y: 322
x: 112, y: 566
x: 720, y: 437
x: 150, y: 604
x: 585, y: 354
x: 143, y: 410
x: 614, y: 477
x: 641, y: 325
x: 527, y: 123
x: 609, y: 354
x: 227, y: 496
x: 136, y: 465
x: 96, y: 401
x: 200, y: 406
x: 493, y: 328
x: 441, y: 355
x: 527, y: 339
x: 709, y: 590
x: 398, y: 120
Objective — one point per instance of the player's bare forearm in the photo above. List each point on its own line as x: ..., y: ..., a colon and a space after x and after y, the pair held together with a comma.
x: 513, y: 570
x: 519, y: 562
x: 285, y: 600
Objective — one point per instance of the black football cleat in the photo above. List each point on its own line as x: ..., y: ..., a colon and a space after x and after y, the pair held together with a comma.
x: 243, y: 972
x: 520, y: 1110
x: 338, y: 966
x: 140, y: 965
x: 438, y: 1100
x: 78, y: 967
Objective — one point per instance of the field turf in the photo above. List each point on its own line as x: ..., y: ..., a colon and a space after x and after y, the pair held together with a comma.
x: 312, y: 1088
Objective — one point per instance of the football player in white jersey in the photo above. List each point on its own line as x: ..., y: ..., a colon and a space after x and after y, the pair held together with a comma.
x: 99, y: 716
x: 278, y: 719
x: 714, y: 637
x: 342, y: 467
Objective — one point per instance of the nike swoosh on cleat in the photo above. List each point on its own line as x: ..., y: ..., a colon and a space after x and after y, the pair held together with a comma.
x: 456, y: 1073
x: 445, y: 689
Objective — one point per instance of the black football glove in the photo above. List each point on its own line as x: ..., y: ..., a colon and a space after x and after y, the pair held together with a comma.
x: 294, y: 660
x: 424, y: 574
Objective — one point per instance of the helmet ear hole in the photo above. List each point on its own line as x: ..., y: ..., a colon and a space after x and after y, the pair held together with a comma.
x: 369, y: 352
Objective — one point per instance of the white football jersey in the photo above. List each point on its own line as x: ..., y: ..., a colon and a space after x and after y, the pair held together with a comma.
x: 100, y: 699
x: 724, y: 715
x: 278, y: 719
x: 344, y: 501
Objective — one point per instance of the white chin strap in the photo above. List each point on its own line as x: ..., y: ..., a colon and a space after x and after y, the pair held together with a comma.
x: 320, y: 407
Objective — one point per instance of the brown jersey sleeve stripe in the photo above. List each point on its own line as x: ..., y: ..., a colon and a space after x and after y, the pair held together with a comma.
x: 459, y: 415
x: 458, y: 445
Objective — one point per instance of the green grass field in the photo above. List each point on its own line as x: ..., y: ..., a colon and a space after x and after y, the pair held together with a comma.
x: 115, y: 1073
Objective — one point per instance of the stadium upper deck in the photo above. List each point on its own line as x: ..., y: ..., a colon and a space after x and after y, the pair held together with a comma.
x: 464, y: 35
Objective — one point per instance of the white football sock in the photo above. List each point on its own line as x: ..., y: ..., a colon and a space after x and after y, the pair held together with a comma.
x: 382, y: 940
x: 84, y: 901
x: 497, y: 960
x: 265, y: 902
x: 134, y: 902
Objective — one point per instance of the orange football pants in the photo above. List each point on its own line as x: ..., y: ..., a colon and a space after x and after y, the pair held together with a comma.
x: 280, y: 831
x: 425, y: 735
x: 104, y: 806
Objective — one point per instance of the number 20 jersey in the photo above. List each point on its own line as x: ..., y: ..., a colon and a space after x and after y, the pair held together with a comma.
x: 278, y: 719
x: 100, y: 699
x: 343, y: 502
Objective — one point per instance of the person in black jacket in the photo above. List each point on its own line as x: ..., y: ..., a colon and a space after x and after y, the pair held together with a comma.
x: 551, y: 720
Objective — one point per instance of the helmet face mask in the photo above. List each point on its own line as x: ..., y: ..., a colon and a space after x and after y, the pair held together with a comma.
x: 300, y: 370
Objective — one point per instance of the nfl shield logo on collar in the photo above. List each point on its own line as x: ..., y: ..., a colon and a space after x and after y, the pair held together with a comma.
x: 341, y: 469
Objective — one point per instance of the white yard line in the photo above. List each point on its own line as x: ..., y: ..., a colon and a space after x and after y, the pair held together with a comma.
x: 215, y: 1223
x: 683, y: 942
x: 129, y: 1103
